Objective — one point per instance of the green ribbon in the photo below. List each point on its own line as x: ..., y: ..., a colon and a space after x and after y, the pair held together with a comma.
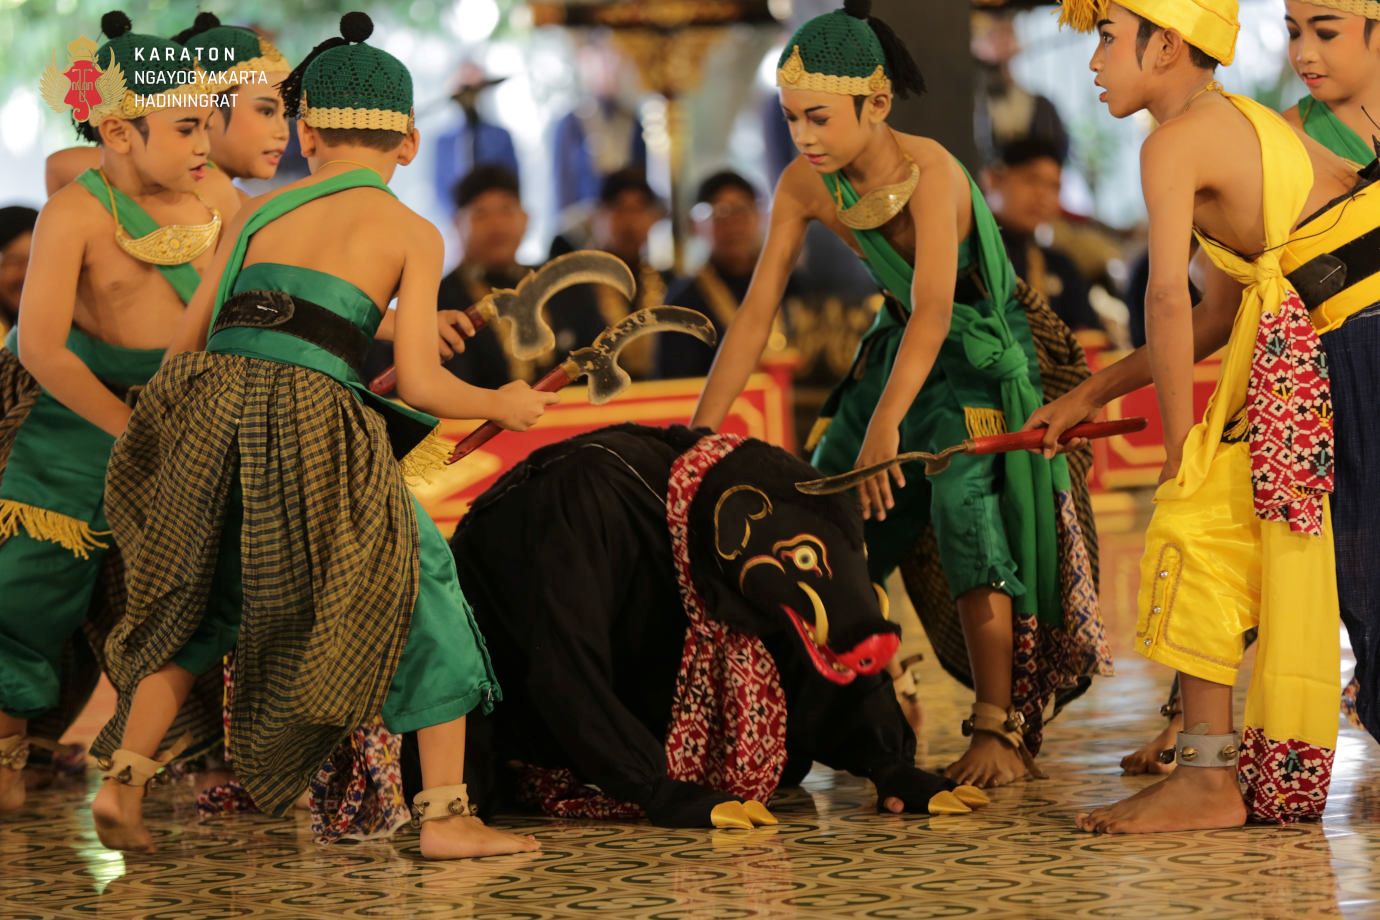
x: 136, y: 222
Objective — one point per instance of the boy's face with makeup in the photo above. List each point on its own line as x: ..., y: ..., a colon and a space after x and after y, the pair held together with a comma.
x: 248, y: 137
x: 1331, y: 52
x: 1118, y: 64
x: 173, y: 155
x: 827, y: 128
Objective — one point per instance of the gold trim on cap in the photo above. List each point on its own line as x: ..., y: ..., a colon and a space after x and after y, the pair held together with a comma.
x: 793, y: 75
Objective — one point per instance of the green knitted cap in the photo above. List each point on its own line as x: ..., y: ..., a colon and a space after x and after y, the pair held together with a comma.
x: 354, y: 85
x: 230, y: 49
x: 150, y: 65
x: 834, y: 53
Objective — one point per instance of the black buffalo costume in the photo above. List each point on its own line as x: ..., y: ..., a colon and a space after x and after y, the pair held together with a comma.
x: 586, y: 595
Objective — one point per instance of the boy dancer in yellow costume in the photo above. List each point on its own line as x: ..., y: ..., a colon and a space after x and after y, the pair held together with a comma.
x: 1242, y: 535
x: 1334, y: 49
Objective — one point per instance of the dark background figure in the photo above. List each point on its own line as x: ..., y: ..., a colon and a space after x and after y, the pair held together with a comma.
x: 16, y: 234
x: 1005, y: 111
x: 728, y: 214
x: 1022, y: 187
x: 475, y: 141
x: 491, y: 222
x: 1136, y: 283
x: 601, y: 135
x: 627, y: 210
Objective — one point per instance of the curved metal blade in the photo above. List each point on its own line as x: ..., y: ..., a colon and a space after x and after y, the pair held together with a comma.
x: 599, y: 362
x: 521, y: 306
x: 842, y: 482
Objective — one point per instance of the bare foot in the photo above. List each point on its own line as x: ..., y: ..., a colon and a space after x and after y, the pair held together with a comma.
x: 118, y: 810
x: 1147, y: 759
x: 1192, y: 799
x: 11, y: 789
x: 989, y: 762
x: 460, y: 837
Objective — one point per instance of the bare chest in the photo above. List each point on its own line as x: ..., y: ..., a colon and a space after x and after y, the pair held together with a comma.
x: 124, y: 301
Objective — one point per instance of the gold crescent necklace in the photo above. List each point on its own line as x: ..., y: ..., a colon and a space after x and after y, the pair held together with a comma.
x: 878, y: 206
x: 173, y: 244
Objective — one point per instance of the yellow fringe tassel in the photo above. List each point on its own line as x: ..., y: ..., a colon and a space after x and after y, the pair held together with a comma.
x: 1081, y: 15
x: 425, y: 459
x: 73, y: 535
x: 984, y: 423
x: 817, y: 433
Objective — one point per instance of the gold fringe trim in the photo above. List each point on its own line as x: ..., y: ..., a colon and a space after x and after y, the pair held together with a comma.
x: 817, y: 433
x: 73, y: 535
x: 363, y: 119
x: 983, y: 423
x: 425, y: 459
x: 1081, y: 15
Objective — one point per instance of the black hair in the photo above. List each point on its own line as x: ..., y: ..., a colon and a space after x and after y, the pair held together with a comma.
x: 628, y: 179
x: 486, y: 177
x: 1147, y: 30
x: 15, y: 221
x: 354, y: 28
x: 905, y: 73
x: 204, y: 22
x: 91, y: 133
x: 1370, y: 27
x: 373, y: 138
x: 724, y: 179
x: 1027, y: 150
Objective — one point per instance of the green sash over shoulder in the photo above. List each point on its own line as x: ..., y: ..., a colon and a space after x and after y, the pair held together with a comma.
x: 992, y: 351
x: 136, y: 222
x: 54, y: 481
x: 1323, y: 125
x: 407, y: 427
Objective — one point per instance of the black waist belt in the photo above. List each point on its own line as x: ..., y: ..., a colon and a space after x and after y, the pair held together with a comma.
x: 1325, y: 276
x: 300, y: 318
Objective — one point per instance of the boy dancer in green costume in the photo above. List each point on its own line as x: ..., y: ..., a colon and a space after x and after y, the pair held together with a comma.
x: 263, y: 470
x: 116, y: 256
x: 949, y: 357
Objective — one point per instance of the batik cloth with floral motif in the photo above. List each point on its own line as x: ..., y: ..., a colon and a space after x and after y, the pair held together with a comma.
x: 1289, y: 409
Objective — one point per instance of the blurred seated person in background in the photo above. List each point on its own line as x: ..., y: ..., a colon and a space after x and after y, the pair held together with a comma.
x: 1022, y: 187
x: 627, y: 211
x: 16, y: 233
x: 491, y: 222
x: 728, y: 215
x: 1006, y: 111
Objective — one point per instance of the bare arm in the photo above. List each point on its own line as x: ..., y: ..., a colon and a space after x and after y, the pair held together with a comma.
x: 747, y: 334
x: 190, y: 334
x: 1169, y: 184
x: 935, y: 212
x: 1212, y: 323
x: 45, y: 311
x: 62, y: 167
x: 422, y: 381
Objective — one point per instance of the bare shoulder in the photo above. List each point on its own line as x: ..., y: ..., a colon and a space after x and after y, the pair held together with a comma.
x: 798, y: 190
x: 1174, y: 143
x: 73, y: 209
x: 419, y: 232
x: 222, y: 194
x: 1293, y: 118
x: 925, y: 151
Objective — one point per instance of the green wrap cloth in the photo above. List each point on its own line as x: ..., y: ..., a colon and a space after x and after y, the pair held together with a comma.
x: 58, y: 460
x: 989, y: 352
x: 1323, y: 125
x: 407, y: 427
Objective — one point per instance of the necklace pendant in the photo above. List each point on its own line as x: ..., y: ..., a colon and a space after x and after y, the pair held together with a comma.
x: 878, y: 206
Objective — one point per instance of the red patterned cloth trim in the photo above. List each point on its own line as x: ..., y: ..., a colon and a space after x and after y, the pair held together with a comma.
x: 1283, y: 781
x: 728, y: 719
x: 559, y: 794
x: 1046, y: 660
x: 1289, y: 411
x: 224, y: 800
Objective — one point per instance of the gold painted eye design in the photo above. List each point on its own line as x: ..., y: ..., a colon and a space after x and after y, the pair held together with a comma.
x: 804, y: 558
x: 806, y: 552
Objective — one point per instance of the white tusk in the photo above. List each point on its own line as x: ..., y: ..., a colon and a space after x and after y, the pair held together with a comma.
x: 821, y: 618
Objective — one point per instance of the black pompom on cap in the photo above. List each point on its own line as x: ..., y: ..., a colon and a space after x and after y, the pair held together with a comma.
x: 858, y: 9
x: 356, y: 27
x: 115, y: 23
x: 205, y: 22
